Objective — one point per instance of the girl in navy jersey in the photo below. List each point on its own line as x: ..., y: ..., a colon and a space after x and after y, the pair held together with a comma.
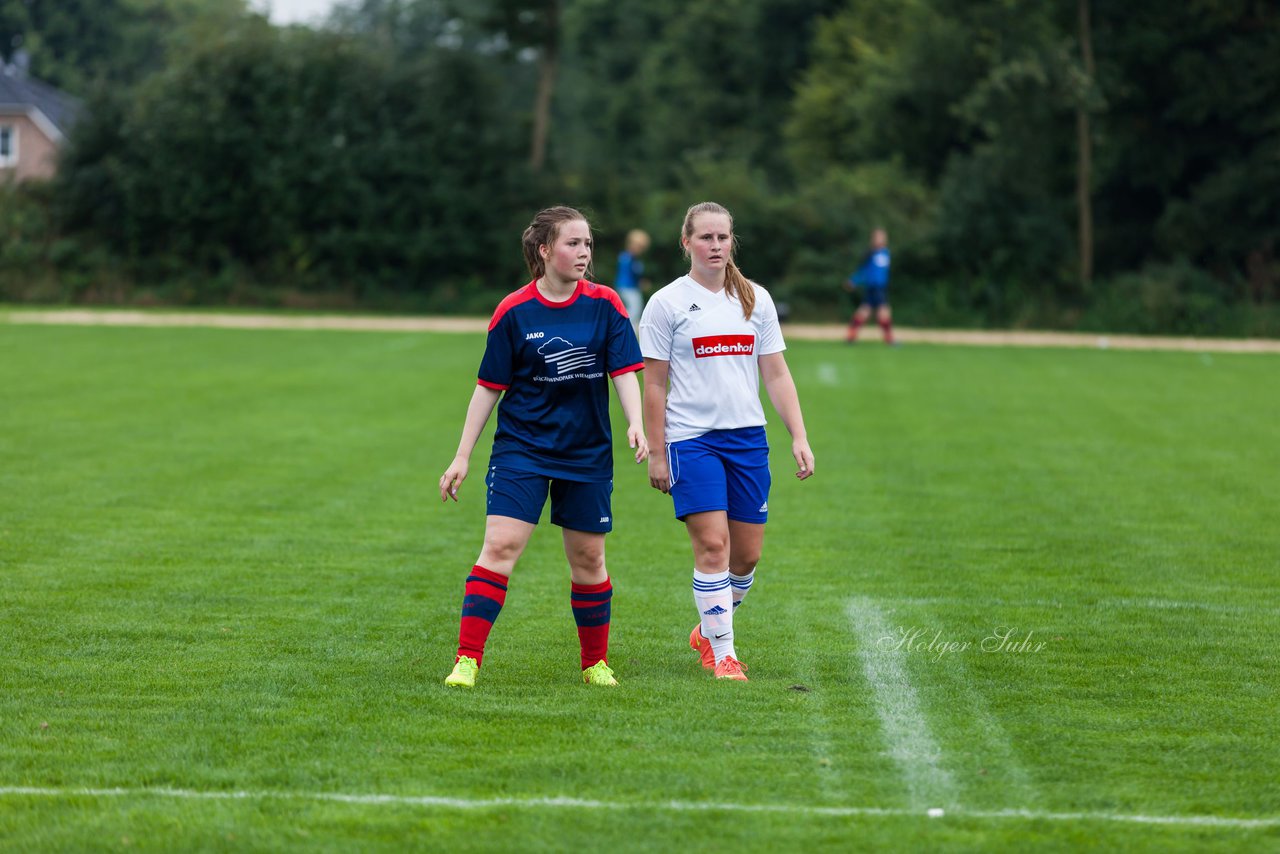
x: 551, y: 346
x: 707, y: 339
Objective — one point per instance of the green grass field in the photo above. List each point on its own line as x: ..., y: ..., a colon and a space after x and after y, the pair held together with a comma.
x: 229, y: 595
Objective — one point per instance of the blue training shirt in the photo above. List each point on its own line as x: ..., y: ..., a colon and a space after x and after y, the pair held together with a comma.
x: 630, y: 269
x: 551, y: 360
x: 874, y: 270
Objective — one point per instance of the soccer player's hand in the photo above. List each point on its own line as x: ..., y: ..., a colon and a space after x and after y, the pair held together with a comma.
x: 452, y: 478
x: 636, y: 439
x: 804, y: 458
x: 659, y: 474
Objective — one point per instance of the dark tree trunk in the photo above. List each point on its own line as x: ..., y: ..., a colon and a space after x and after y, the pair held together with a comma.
x: 1084, y: 144
x: 548, y: 66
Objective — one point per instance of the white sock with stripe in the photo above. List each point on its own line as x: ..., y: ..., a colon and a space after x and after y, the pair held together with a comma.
x: 741, y: 585
x: 711, y: 593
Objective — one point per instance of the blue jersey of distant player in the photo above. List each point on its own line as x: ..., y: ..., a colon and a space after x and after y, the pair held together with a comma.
x: 630, y: 271
x: 873, y: 276
x: 553, y: 361
x: 874, y: 270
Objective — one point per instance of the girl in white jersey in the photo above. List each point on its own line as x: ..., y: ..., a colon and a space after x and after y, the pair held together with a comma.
x: 707, y: 339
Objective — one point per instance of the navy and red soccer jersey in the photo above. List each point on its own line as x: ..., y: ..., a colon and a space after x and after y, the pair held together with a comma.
x: 552, y: 361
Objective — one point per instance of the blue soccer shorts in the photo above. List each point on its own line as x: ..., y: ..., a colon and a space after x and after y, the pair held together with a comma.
x: 874, y: 296
x: 576, y: 505
x: 722, y: 470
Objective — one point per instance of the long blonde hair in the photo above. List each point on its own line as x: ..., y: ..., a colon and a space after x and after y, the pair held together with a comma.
x: 735, y: 283
x: 543, y: 231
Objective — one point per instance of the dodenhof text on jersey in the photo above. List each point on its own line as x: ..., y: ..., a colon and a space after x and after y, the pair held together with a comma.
x: 724, y: 345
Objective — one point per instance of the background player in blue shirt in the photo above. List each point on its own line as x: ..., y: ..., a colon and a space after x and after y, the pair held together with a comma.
x: 872, y: 276
x: 631, y: 274
x: 551, y: 346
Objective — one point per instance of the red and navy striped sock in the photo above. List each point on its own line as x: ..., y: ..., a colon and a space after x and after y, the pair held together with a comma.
x: 485, y: 594
x: 855, y: 324
x: 591, y: 610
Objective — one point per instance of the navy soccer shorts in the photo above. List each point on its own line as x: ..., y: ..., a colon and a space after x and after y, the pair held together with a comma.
x: 576, y: 505
x: 722, y: 470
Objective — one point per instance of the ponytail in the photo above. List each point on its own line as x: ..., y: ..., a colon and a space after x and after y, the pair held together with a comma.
x: 740, y: 288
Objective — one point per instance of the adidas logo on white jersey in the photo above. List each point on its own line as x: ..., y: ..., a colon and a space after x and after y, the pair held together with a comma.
x: 694, y: 307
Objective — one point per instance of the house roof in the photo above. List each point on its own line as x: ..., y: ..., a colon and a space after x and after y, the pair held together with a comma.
x: 20, y: 93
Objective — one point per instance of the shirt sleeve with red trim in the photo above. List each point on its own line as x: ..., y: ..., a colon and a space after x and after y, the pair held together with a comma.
x: 498, y: 365
x: 623, y: 355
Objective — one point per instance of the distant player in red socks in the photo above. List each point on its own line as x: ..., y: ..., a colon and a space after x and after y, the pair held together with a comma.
x: 872, y: 276
x: 551, y: 346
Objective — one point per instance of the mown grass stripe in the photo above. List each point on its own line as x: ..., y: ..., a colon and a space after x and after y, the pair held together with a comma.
x: 796, y: 331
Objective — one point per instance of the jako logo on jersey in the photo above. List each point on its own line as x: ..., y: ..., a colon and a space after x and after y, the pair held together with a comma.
x: 532, y: 335
x: 724, y: 345
x: 565, y: 357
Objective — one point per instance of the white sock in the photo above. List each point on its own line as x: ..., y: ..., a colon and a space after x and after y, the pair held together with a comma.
x: 715, y: 605
x: 741, y: 585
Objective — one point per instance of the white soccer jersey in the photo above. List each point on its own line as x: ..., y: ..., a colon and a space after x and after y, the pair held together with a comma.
x: 713, y: 354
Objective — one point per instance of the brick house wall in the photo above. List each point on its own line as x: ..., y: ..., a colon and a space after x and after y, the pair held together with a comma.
x: 36, y: 154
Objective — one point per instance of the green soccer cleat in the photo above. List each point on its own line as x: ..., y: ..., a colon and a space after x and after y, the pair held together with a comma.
x: 464, y: 673
x: 599, y: 674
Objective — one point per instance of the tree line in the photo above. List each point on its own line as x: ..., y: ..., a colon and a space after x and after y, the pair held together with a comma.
x: 1079, y: 164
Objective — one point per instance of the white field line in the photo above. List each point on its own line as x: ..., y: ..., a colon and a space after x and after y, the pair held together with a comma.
x: 906, y: 729
x: 799, y: 331
x: 653, y: 806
